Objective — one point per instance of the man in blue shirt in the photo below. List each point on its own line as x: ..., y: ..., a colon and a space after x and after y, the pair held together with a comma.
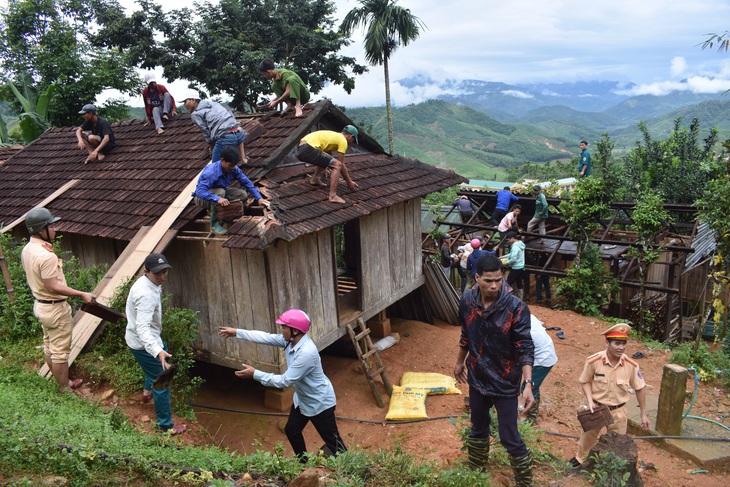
x: 504, y: 200
x: 314, y: 396
x: 584, y: 166
x: 213, y: 189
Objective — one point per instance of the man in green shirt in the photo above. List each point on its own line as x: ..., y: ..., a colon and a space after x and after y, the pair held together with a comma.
x: 287, y: 85
x: 541, y: 213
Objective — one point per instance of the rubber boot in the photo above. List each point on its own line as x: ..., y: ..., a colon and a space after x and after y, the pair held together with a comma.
x: 215, y: 226
x: 522, y: 467
x: 478, y: 453
x: 532, y: 413
x: 518, y: 293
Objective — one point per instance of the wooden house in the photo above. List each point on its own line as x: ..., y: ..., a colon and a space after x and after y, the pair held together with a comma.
x: 339, y: 262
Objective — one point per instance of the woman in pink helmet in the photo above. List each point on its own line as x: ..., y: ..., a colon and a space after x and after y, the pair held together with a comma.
x: 314, y: 396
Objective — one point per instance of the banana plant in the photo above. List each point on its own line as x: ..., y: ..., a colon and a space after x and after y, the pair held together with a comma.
x: 34, y: 119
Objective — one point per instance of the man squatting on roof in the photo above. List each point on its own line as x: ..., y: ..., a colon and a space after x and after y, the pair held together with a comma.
x: 315, y: 148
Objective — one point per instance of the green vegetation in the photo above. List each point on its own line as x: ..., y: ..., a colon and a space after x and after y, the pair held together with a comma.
x: 610, y: 470
x: 710, y: 365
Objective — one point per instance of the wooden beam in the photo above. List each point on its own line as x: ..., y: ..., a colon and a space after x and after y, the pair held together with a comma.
x: 146, y: 241
x: 43, y: 203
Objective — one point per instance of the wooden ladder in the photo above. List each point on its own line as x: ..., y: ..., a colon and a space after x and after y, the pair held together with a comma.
x: 360, y: 336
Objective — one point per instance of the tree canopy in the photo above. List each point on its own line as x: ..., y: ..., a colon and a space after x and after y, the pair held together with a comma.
x: 220, y: 45
x: 49, y: 41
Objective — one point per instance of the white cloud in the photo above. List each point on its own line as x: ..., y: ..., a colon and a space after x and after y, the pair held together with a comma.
x: 518, y: 94
x: 678, y: 66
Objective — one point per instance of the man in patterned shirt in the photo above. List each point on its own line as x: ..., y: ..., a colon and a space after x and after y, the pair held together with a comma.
x: 496, y: 350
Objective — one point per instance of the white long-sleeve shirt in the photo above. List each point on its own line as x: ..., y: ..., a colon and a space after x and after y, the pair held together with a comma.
x: 144, y: 317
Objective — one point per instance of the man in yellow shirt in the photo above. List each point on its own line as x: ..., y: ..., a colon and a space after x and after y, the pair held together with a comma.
x: 607, y: 379
x: 44, y: 271
x: 317, y: 149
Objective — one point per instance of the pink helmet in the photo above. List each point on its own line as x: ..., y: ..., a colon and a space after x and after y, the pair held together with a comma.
x: 475, y: 243
x: 295, y: 318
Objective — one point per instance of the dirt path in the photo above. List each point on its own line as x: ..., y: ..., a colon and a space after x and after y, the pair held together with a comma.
x: 432, y: 348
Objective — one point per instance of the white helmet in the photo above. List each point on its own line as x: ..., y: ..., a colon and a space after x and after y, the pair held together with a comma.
x: 191, y: 94
x: 149, y: 78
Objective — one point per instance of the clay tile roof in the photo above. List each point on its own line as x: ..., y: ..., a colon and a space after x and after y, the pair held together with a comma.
x: 145, y: 172
x: 6, y: 152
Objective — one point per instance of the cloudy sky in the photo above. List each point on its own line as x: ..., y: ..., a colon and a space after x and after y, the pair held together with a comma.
x: 652, y: 43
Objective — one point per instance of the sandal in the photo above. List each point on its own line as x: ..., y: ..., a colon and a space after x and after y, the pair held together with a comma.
x: 177, y: 429
x: 561, y: 335
x: 638, y: 355
x: 145, y: 398
x: 556, y: 328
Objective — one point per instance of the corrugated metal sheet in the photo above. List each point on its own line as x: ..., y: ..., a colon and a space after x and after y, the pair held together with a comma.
x: 704, y: 244
x: 431, y: 212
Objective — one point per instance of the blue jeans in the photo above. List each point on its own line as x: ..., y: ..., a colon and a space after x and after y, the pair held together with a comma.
x: 542, y: 282
x: 506, y: 408
x: 231, y: 139
x: 152, y: 367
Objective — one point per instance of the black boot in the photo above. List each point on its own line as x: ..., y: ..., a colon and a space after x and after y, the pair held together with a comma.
x: 522, y: 467
x: 531, y: 415
x: 478, y: 449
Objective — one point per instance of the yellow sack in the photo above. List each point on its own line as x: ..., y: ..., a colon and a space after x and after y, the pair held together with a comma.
x: 432, y: 382
x: 407, y: 403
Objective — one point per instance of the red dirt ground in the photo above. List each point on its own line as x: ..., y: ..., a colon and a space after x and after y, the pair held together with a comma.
x: 432, y: 348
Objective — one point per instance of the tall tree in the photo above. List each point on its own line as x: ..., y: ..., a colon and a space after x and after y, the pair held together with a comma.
x: 47, y: 41
x: 220, y: 45
x: 387, y: 26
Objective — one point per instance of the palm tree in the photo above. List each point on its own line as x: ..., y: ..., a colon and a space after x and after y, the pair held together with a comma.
x: 387, y: 26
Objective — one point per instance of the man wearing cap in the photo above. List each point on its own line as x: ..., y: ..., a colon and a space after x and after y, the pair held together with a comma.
x: 466, y: 208
x: 541, y: 213
x: 95, y: 135
x: 143, y: 336
x: 44, y: 272
x: 504, y: 199
x: 213, y: 186
x: 159, y: 104
x: 496, y: 351
x: 607, y: 379
x: 219, y: 126
x: 314, y: 396
x: 287, y: 85
x: 316, y: 148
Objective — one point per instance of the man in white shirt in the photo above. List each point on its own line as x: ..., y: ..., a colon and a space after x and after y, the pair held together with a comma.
x: 143, y: 336
x: 545, y: 358
x: 314, y: 396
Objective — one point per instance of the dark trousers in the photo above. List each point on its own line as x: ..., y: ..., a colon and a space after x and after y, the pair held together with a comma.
x: 497, y: 216
x: 325, y: 425
x: 462, y: 274
x: 465, y: 216
x: 542, y: 282
x: 515, y: 278
x: 506, y: 408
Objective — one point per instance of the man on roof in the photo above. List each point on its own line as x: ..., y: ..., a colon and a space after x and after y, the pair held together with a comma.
x: 287, y: 85
x: 159, y: 105
x: 219, y: 126
x: 95, y: 135
x: 318, y: 147
x: 214, y: 188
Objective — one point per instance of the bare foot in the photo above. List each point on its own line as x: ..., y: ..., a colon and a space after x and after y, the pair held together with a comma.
x: 160, y: 131
x: 298, y: 112
x: 317, y: 182
x: 101, y: 157
x: 336, y: 199
x: 165, y: 117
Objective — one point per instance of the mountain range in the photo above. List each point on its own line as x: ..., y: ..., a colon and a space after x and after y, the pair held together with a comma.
x: 480, y: 128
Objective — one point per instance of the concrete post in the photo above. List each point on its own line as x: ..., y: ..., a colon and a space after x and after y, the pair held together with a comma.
x: 671, y: 400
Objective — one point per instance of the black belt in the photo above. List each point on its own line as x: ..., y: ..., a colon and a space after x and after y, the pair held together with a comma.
x: 45, y: 301
x: 612, y: 408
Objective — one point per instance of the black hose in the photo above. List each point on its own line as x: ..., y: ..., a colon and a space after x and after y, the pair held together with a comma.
x: 434, y: 418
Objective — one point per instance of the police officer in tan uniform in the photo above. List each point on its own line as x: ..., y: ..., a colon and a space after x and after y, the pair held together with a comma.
x: 44, y: 272
x: 606, y: 379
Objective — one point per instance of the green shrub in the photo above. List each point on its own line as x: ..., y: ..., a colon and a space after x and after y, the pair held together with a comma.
x: 588, y: 284
x: 709, y: 365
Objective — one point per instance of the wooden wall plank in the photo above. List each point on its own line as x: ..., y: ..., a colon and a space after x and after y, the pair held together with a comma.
x: 376, y: 283
x: 328, y: 279
x: 396, y: 246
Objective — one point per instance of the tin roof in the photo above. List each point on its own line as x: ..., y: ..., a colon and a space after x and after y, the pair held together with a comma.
x: 141, y: 177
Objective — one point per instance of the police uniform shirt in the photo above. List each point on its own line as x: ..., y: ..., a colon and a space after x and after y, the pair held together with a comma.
x: 610, y: 385
x: 41, y: 263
